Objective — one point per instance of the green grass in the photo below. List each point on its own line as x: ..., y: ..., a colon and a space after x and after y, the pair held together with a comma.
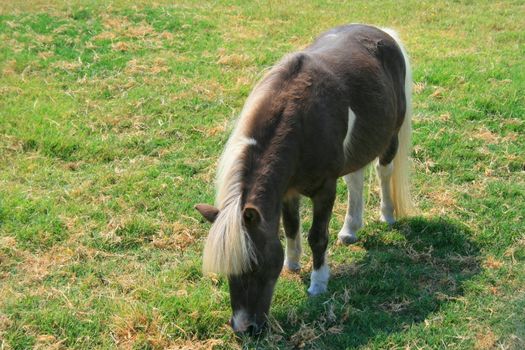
x: 112, y: 118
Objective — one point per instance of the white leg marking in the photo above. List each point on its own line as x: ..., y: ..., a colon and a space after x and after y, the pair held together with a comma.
x: 354, y: 214
x: 384, y: 174
x: 319, y: 279
x: 293, y: 253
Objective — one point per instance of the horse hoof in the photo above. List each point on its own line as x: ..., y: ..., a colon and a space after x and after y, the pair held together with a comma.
x: 292, y: 266
x: 316, y: 289
x: 388, y: 219
x: 347, y: 239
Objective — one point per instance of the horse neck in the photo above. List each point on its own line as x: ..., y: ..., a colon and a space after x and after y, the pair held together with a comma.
x: 271, y: 179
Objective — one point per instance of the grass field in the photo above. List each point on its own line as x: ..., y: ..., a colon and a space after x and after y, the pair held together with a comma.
x: 112, y: 117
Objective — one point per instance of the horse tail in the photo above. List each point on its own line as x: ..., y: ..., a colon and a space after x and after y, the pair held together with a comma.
x: 400, y: 185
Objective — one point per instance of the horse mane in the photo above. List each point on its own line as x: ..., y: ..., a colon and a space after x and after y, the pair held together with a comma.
x: 229, y: 249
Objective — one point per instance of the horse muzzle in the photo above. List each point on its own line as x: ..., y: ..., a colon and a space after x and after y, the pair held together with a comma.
x: 241, y: 323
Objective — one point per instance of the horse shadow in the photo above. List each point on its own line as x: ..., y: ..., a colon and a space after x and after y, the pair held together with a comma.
x: 391, y: 280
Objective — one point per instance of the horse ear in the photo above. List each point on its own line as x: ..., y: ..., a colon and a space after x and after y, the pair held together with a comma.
x: 209, y: 212
x: 251, y: 216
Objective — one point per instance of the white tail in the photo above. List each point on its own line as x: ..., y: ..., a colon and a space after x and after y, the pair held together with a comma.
x: 403, y: 205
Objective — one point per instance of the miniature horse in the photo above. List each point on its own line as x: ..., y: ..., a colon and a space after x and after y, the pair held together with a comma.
x: 321, y: 113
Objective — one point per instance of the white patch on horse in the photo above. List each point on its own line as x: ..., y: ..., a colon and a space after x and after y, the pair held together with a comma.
x: 294, y: 250
x: 348, y: 138
x: 384, y: 174
x: 319, y: 279
x: 251, y: 141
x: 354, y: 214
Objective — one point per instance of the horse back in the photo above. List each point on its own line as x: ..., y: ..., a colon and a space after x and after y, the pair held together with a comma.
x: 367, y: 67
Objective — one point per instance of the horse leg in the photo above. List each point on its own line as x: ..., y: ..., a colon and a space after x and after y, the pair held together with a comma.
x: 384, y: 169
x: 292, y: 229
x: 323, y: 203
x: 354, y: 214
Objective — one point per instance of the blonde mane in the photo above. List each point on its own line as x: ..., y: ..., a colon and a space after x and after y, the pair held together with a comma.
x: 228, y: 249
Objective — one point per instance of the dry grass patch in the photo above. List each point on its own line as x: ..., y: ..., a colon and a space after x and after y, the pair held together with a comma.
x: 122, y: 34
x: 395, y: 306
x: 485, y: 340
x: 126, y: 281
x: 210, y: 89
x: 121, y: 27
x: 510, y: 137
x: 9, y: 68
x: 63, y: 28
x: 291, y: 275
x: 418, y: 87
x: 82, y: 190
x: 176, y: 236
x: 121, y: 46
x: 5, y: 323
x: 444, y: 117
x: 116, y: 23
x: 196, y: 344
x: 443, y: 199
x: 438, y: 92
x: 239, y: 32
x: 123, y: 124
x: 139, y: 31
x: 216, y: 130
x: 13, y: 44
x: 8, y: 255
x: 157, y: 66
x: 36, y: 267
x: 492, y: 263
x: 115, y: 224
x: 234, y: 59
x: 67, y: 65
x: 180, y: 96
x: 518, y: 245
x: 308, y: 333
x: 48, y: 341
x: 207, y: 176
x: 45, y: 55
x: 105, y: 36
x: 213, y: 130
x: 304, y: 336
x: 44, y: 39
x: 243, y: 81
x: 133, y: 327
x: 486, y: 135
x: 8, y: 242
x: 166, y: 35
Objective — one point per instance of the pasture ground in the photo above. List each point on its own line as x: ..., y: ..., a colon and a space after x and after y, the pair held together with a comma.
x: 112, y: 117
